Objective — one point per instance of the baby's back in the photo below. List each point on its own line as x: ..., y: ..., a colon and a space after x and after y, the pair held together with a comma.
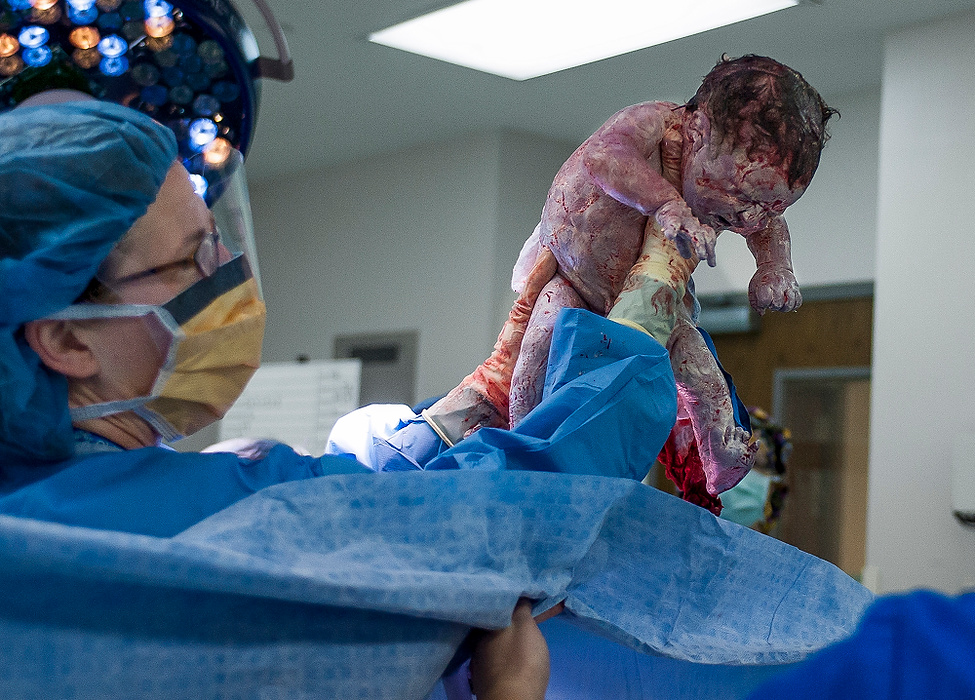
x: 595, y: 237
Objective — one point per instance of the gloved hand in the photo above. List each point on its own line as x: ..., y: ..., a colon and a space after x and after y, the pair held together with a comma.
x: 653, y: 292
x: 481, y: 399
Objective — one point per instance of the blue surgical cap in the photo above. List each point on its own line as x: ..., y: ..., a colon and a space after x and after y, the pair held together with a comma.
x: 74, y: 177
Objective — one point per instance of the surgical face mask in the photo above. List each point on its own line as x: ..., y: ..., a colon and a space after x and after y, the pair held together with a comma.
x: 745, y: 503
x: 211, y: 335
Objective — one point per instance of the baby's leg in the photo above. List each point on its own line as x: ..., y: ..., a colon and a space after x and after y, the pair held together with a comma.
x: 528, y: 379
x: 481, y: 399
x: 726, y: 454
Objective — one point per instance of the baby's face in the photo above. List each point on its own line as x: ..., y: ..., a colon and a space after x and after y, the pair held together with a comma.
x: 728, y: 191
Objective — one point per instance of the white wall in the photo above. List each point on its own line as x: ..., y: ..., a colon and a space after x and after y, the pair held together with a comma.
x: 527, y: 165
x: 414, y: 240
x: 834, y: 224
x: 923, y: 367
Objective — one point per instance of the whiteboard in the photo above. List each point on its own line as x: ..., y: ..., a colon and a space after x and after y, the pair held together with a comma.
x: 294, y: 403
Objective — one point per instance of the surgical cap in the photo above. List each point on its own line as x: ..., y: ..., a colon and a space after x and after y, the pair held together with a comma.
x: 74, y: 177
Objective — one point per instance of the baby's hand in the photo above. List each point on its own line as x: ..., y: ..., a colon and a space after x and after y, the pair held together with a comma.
x: 774, y: 287
x: 688, y: 234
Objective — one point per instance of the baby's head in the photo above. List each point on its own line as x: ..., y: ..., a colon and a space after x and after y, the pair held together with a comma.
x: 758, y: 104
x: 752, y: 139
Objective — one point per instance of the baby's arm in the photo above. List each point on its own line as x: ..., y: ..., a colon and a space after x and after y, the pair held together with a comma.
x: 623, y: 159
x: 773, y: 286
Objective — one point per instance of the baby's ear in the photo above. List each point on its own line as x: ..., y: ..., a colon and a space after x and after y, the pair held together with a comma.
x: 697, y: 130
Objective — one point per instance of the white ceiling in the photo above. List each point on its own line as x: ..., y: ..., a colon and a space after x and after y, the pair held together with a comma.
x: 352, y: 99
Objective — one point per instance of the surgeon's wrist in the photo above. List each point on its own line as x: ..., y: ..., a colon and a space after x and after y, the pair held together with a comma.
x: 437, y: 428
x: 630, y: 324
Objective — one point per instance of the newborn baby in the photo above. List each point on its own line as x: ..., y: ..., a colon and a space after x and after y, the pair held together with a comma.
x: 629, y: 216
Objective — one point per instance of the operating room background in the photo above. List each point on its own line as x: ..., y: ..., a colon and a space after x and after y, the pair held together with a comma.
x: 424, y: 238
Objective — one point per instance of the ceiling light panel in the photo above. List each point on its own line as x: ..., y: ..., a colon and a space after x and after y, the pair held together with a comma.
x: 521, y: 39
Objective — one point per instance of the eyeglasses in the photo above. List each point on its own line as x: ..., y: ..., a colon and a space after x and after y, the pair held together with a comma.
x: 205, y: 260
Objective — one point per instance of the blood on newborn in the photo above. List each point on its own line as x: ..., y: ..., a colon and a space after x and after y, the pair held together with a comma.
x: 637, y: 205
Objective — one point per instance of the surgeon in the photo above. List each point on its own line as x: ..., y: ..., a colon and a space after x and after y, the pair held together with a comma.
x: 130, y: 312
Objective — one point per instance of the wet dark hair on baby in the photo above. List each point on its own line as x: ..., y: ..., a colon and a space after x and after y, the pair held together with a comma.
x: 768, y: 108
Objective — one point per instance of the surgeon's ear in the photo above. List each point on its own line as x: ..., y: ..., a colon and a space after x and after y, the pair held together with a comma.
x: 62, y: 347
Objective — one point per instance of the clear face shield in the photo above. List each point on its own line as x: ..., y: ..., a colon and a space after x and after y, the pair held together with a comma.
x: 225, y: 180
x: 184, y: 283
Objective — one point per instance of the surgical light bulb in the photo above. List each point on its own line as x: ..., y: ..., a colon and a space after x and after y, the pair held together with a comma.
x: 133, y: 31
x: 217, y: 151
x: 51, y: 15
x: 8, y: 45
x: 116, y: 65
x: 86, y: 58
x: 81, y: 5
x: 145, y: 74
x: 38, y: 56
x: 112, y: 46
x: 110, y: 22
x: 199, y: 184
x: 181, y: 95
x: 206, y: 105
x: 11, y: 65
x: 84, y: 37
x: 33, y: 36
x: 191, y: 63
x: 19, y: 4
x: 159, y: 45
x: 202, y: 132
x: 217, y: 69
x: 166, y: 58
x: 226, y: 91
x: 85, y: 16
x: 184, y: 44
x: 155, y: 95
x: 43, y: 4
x: 133, y: 10
x: 210, y: 51
x: 198, y: 82
x: 158, y: 27
x: 158, y: 8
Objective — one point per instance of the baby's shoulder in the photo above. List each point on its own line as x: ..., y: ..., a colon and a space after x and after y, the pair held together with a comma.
x: 646, y: 121
x: 651, y: 109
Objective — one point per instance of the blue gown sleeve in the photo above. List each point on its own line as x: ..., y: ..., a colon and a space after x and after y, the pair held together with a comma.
x: 156, y: 491
x: 608, y: 405
x: 916, y: 645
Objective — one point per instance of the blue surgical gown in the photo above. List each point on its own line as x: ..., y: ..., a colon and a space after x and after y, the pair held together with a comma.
x: 168, y: 575
x: 907, y: 647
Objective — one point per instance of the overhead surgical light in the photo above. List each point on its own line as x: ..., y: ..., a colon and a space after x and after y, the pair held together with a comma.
x: 192, y: 65
x: 33, y: 36
x: 521, y: 39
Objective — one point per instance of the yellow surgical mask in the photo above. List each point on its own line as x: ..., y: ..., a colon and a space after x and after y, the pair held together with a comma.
x: 215, y: 331
x: 217, y: 352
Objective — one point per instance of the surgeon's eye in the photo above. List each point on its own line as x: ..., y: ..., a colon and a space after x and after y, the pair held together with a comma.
x: 178, y: 272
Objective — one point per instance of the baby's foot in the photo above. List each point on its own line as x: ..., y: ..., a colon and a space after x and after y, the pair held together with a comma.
x: 727, y: 456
